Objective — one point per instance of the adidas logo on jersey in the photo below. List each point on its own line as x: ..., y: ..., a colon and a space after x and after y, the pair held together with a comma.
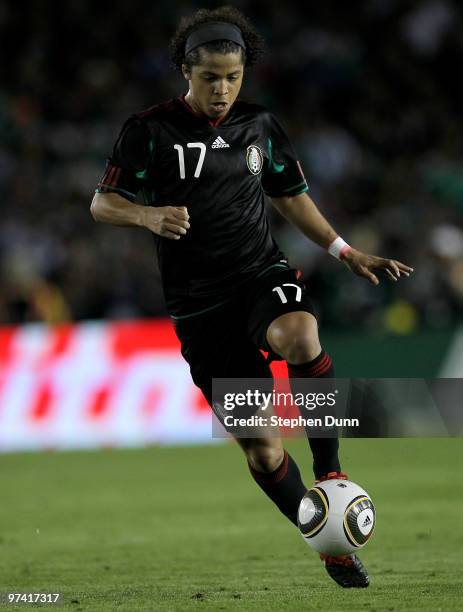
x: 219, y: 143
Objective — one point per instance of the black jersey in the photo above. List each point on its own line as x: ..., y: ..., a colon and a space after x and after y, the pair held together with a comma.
x: 220, y: 171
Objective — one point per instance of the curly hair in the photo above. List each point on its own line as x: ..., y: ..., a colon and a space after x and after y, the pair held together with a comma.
x: 255, y: 44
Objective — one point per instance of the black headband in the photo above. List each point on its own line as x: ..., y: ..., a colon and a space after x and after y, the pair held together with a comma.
x: 214, y: 30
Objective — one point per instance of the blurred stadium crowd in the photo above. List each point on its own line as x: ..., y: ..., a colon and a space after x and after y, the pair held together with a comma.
x: 368, y: 91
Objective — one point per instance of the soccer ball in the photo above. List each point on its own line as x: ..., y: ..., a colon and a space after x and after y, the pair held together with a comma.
x: 336, y: 517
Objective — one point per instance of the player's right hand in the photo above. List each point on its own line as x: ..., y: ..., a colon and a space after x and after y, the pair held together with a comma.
x: 167, y: 221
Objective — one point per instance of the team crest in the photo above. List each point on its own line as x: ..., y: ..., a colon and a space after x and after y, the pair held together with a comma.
x: 254, y: 159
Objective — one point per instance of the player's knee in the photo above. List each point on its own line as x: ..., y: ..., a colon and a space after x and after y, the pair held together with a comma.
x: 301, y: 349
x: 297, y: 347
x: 265, y: 458
x: 295, y: 337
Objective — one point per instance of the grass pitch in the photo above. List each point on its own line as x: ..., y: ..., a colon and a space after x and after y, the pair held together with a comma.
x: 187, y: 529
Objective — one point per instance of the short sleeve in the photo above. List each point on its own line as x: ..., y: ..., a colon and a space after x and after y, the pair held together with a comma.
x: 127, y: 167
x: 282, y: 174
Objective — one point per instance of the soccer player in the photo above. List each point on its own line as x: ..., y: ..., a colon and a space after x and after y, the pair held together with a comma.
x: 205, y: 162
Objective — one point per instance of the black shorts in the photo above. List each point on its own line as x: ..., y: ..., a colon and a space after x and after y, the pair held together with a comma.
x: 226, y: 341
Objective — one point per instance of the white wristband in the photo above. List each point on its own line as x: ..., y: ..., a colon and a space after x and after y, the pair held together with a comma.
x: 338, y: 248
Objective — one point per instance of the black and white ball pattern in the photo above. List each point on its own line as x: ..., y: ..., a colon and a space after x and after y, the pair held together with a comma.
x: 313, y: 512
x: 359, y: 520
x: 336, y: 517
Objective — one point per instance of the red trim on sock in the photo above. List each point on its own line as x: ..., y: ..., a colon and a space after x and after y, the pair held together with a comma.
x: 323, y: 367
x: 305, y: 371
x: 320, y: 366
x: 272, y: 477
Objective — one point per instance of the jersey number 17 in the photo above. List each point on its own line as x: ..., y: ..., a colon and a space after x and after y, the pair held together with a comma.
x: 181, y: 157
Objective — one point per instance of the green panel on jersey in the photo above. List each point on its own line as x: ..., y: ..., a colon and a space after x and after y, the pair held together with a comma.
x: 274, y: 167
x: 131, y: 195
x: 302, y: 185
x: 143, y: 174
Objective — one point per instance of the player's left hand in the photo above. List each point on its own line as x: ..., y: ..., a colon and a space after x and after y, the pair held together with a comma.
x: 363, y: 265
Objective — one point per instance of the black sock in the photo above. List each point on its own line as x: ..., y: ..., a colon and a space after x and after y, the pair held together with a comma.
x: 284, y: 486
x: 324, y: 450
